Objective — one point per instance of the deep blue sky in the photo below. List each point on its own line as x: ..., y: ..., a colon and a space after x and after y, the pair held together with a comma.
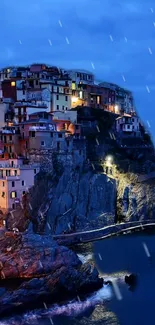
x: 117, y: 36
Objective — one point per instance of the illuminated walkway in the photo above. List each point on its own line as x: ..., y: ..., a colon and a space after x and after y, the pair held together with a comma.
x: 105, y: 232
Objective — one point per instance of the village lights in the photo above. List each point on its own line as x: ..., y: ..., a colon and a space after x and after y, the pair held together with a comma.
x: 74, y: 99
x: 116, y: 108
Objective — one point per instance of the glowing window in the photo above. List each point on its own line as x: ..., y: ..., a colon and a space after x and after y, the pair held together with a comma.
x: 13, y: 84
x: 13, y: 195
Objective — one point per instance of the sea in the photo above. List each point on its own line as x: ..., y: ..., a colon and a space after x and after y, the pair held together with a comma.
x: 116, y: 302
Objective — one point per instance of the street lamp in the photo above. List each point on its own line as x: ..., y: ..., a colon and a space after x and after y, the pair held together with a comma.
x: 109, y: 159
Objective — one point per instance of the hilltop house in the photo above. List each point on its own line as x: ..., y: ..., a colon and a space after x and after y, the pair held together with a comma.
x: 128, y: 125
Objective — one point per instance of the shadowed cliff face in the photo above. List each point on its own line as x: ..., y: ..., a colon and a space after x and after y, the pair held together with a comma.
x: 85, y: 201
x: 82, y: 201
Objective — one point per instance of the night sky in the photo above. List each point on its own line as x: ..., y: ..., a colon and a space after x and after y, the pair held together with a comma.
x: 115, y: 39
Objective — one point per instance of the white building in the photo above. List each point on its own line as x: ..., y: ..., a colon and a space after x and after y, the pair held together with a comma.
x: 15, y: 180
x: 128, y: 124
x: 82, y: 76
x: 61, y: 93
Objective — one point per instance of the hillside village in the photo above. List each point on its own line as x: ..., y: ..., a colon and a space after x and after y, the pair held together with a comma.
x: 51, y: 118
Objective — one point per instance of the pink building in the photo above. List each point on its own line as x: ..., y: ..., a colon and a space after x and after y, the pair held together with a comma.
x: 15, y: 180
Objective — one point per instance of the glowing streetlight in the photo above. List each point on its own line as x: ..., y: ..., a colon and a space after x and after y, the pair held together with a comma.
x: 109, y: 159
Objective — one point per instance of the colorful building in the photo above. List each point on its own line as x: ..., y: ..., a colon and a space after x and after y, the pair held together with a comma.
x: 15, y: 180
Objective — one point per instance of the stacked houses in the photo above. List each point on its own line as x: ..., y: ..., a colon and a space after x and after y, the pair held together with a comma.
x: 38, y: 114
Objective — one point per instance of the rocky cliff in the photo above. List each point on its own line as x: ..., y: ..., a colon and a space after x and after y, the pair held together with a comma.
x: 87, y: 200
x: 82, y: 201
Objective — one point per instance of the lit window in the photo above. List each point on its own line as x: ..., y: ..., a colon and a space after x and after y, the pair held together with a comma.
x: 81, y: 95
x: 73, y: 86
x: 8, y: 70
x: 13, y: 84
x: 13, y: 195
x: 98, y: 99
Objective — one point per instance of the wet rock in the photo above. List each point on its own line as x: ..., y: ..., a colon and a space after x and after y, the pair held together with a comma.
x: 131, y: 279
x: 47, y: 270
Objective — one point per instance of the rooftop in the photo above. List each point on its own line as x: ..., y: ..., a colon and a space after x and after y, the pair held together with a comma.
x: 80, y: 71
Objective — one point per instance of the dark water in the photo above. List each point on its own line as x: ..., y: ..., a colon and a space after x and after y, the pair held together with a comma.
x: 115, y: 258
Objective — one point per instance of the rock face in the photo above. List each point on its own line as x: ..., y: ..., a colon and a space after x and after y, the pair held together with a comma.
x: 89, y: 200
x: 135, y: 201
x: 81, y: 201
x: 46, y: 270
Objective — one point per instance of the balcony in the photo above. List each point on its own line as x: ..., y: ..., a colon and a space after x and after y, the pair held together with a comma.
x: 10, y: 178
x: 42, y: 128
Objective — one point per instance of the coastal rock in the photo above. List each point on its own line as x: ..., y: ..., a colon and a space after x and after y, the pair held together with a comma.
x: 44, y: 269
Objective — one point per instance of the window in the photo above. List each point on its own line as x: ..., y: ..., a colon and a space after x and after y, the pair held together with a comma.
x: 15, y: 172
x: 37, y: 82
x: 57, y: 89
x: 132, y: 119
x: 3, y: 184
x: 66, y: 98
x: 57, y: 97
x: 13, y: 195
x: 57, y: 107
x: 42, y: 143
x: 58, y: 145
x: 13, y: 84
x: 3, y: 194
x: 33, y: 134
x: 81, y: 94
x: 10, y: 137
x: 35, y: 171
x: 13, y: 206
x: 23, y: 183
x: 98, y: 99
x: 66, y: 108
x: 128, y: 126
x: 60, y: 135
x: 24, y: 118
x: 22, y: 126
x: 63, y: 107
x: 51, y: 134
x: 24, y: 192
x: 13, y: 184
x: 23, y: 92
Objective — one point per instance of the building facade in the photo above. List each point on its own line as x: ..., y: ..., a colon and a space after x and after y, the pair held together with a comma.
x: 15, y: 179
x: 128, y: 125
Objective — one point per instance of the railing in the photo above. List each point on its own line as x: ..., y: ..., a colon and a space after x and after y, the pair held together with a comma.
x: 42, y: 128
x: 105, y: 232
